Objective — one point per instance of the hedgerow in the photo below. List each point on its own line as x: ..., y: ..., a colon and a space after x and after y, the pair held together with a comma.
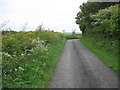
x: 29, y: 58
x: 99, y: 26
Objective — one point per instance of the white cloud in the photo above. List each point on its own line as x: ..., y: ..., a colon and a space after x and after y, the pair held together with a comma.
x: 54, y: 14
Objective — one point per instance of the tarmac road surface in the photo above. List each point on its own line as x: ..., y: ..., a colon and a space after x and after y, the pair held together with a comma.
x: 78, y: 67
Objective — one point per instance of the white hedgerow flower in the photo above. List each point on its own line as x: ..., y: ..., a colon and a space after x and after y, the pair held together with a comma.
x: 15, y: 69
x: 21, y: 68
x: 22, y: 54
x: 8, y: 55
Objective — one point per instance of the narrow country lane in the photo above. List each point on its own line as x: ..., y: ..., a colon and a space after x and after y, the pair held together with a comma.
x: 78, y: 67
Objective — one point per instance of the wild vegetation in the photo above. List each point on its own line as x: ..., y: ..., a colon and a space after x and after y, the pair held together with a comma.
x: 72, y: 36
x: 99, y: 24
x: 29, y: 58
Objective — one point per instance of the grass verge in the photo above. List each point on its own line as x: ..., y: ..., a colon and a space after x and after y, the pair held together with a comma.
x: 109, y: 59
x: 36, y: 70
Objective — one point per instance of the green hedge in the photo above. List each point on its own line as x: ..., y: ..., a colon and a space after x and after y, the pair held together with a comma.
x: 106, y: 22
x: 101, y: 28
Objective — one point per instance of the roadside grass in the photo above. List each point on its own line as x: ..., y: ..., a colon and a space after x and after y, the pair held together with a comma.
x: 35, y: 71
x: 109, y: 59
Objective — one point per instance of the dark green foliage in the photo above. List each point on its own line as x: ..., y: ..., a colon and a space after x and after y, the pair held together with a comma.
x: 83, y: 18
x: 99, y: 24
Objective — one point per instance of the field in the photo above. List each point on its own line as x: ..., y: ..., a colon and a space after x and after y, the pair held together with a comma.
x: 72, y: 36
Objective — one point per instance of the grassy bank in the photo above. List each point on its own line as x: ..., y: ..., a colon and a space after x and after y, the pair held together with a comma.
x: 109, y: 59
x: 36, y: 70
x: 29, y: 58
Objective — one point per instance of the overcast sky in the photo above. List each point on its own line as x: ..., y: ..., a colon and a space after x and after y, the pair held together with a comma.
x: 57, y: 15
